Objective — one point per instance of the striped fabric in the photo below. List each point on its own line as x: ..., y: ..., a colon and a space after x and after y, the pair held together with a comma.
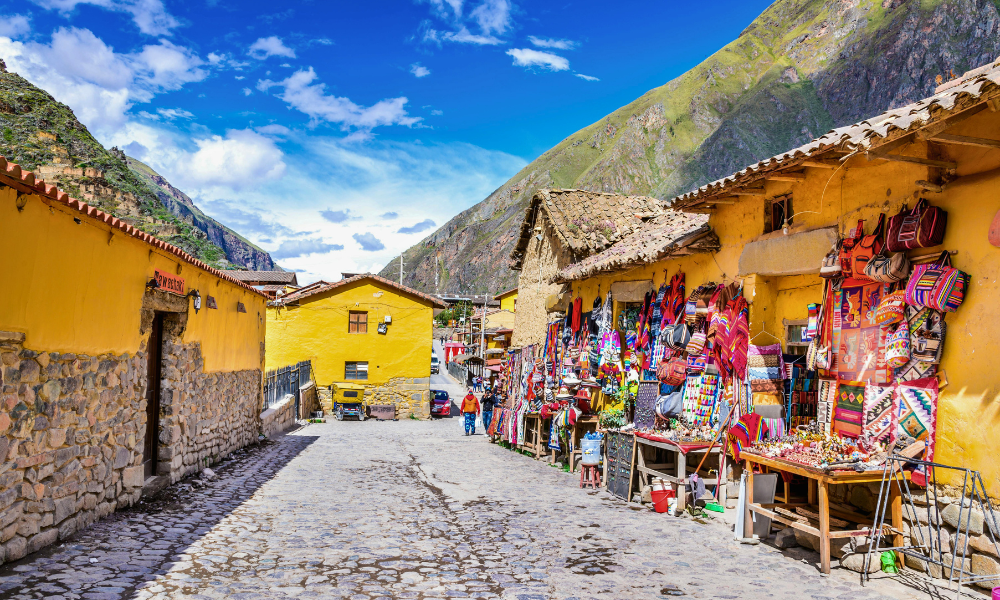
x: 749, y: 430
x: 739, y: 337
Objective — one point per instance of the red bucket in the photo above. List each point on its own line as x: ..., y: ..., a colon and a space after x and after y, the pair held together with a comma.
x: 661, y: 499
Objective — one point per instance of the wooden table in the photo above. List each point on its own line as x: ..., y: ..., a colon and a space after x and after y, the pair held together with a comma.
x: 818, y: 493
x: 583, y: 425
x: 678, y: 480
x: 535, y: 438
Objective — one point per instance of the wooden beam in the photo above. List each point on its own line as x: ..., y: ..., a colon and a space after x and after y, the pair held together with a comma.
x: 929, y: 186
x: 786, y: 177
x: 929, y: 162
x: 994, y: 104
x: 749, y: 192
x: 964, y: 140
x: 820, y: 164
x: 720, y: 201
x: 883, y: 149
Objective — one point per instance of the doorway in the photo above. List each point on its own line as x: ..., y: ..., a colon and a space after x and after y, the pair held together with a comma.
x: 154, y: 359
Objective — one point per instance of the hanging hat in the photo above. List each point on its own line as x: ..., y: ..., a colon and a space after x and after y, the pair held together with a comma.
x: 571, y: 381
x: 564, y: 393
x: 590, y: 382
x: 583, y: 394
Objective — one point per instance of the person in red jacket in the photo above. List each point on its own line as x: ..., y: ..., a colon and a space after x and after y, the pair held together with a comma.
x: 470, y: 408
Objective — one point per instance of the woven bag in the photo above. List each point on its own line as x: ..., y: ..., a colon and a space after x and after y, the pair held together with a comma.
x: 888, y: 269
x: 892, y: 308
x: 897, y: 346
x: 921, y: 227
x: 937, y: 285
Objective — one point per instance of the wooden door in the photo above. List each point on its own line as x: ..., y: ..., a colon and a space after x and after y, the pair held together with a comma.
x: 154, y: 358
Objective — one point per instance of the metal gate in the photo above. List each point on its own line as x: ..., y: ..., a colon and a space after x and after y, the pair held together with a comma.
x: 287, y: 380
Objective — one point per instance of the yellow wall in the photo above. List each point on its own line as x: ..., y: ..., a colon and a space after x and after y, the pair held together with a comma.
x: 968, y: 420
x: 317, y: 331
x: 509, y: 301
x: 78, y: 288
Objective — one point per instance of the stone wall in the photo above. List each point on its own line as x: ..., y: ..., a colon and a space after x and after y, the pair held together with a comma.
x: 542, y: 260
x: 73, y: 426
x: 308, y: 400
x: 411, y: 396
x: 278, y: 418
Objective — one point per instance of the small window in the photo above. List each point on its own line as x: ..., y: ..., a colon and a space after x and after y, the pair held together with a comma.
x: 796, y: 341
x: 776, y: 211
x: 358, y: 322
x: 356, y: 371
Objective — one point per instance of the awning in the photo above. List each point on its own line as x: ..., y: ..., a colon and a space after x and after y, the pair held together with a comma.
x: 495, y: 369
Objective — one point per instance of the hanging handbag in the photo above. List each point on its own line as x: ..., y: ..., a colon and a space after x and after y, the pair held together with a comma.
x: 891, y: 309
x: 696, y: 346
x: 888, y: 269
x: 867, y: 248
x: 921, y: 227
x: 676, y: 336
x: 927, y: 330
x: 897, y: 346
x: 937, y: 285
x: 847, y: 246
x: 675, y: 372
x: 670, y: 406
x: 830, y: 267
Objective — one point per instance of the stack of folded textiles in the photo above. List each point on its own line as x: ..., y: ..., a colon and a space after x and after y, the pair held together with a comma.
x: 766, y: 373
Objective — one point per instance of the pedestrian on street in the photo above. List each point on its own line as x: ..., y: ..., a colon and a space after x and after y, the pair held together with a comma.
x: 489, y: 401
x: 470, y: 408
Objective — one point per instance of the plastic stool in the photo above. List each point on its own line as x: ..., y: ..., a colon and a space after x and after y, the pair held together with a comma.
x: 590, y: 475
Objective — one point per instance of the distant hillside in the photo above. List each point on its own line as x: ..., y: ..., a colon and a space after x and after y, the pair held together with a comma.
x: 43, y: 135
x: 800, y: 69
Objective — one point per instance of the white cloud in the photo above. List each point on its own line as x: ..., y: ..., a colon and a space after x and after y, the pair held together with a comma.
x: 419, y: 70
x: 274, y: 129
x: 270, y: 46
x: 586, y: 77
x: 241, y: 159
x: 437, y: 113
x: 464, y: 36
x: 493, y: 16
x: 552, y: 43
x: 526, y: 57
x: 171, y: 114
x: 150, y: 16
x: 14, y: 26
x: 247, y: 91
x: 440, y: 7
x: 302, y: 93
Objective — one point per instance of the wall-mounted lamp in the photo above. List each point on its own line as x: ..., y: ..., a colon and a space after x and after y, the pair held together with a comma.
x: 197, y: 300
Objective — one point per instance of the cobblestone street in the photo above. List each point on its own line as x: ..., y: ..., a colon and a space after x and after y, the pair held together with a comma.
x: 407, y: 509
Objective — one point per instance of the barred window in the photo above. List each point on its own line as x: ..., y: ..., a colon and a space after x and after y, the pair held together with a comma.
x: 356, y: 370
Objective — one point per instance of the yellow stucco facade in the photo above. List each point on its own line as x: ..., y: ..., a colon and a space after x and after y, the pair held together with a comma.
x: 508, y: 300
x: 316, y: 328
x: 968, y: 418
x: 78, y: 288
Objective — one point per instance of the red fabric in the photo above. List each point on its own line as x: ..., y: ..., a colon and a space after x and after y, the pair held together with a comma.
x: 470, y: 404
x: 684, y: 447
x: 577, y: 314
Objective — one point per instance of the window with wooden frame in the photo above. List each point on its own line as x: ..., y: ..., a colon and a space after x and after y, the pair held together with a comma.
x: 357, y: 322
x: 776, y: 210
x: 795, y: 341
x: 357, y: 370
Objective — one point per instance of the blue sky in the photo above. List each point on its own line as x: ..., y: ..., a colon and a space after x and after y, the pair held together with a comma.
x: 337, y: 134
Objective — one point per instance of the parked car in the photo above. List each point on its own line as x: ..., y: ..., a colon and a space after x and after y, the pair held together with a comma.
x: 435, y: 364
x: 440, y: 403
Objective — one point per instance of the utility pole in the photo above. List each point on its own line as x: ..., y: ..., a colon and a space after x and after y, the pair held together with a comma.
x: 482, y: 331
x: 400, y: 268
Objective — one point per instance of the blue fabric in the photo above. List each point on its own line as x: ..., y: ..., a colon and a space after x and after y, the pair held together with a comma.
x: 470, y: 422
x: 487, y: 418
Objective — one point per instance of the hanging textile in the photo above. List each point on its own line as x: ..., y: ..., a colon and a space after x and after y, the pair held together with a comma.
x: 916, y: 416
x: 862, y: 340
x: 674, y: 299
x: 733, y: 356
x: 880, y: 413
x: 849, y: 411
x: 775, y: 428
x: 749, y: 430
x: 812, y: 328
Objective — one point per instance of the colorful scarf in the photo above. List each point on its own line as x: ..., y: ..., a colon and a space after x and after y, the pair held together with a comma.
x: 849, y: 413
x: 738, y: 337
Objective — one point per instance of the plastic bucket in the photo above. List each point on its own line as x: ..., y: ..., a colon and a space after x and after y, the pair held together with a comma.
x: 591, y: 450
x: 996, y: 593
x: 661, y: 500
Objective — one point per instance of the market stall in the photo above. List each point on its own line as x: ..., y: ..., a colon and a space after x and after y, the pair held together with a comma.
x: 678, y: 466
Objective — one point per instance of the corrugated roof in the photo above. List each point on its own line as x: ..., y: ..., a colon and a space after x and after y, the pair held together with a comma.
x: 966, y: 92
x: 314, y: 289
x: 23, y: 181
x: 266, y: 276
x: 671, y: 234
x: 586, y: 222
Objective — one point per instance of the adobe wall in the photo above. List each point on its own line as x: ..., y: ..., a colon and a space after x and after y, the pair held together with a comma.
x: 542, y: 260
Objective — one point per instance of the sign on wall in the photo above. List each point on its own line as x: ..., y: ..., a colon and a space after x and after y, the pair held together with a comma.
x: 210, y: 302
x: 382, y: 412
x: 169, y: 283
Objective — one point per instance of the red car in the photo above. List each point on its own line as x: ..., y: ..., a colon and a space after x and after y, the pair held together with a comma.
x: 440, y: 403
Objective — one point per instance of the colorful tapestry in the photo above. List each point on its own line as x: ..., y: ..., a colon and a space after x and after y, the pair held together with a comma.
x: 861, y: 355
x: 775, y: 428
x: 848, y: 415
x: 749, y: 430
x: 916, y: 415
x: 708, y: 394
x: 738, y: 393
x: 880, y: 413
x: 812, y: 328
x: 914, y: 370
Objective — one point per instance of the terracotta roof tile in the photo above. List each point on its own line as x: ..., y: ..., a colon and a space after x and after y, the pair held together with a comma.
x: 320, y: 287
x: 266, y: 276
x: 13, y: 176
x: 971, y: 89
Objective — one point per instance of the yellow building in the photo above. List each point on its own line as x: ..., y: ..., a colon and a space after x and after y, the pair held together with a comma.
x: 776, y: 220
x: 120, y: 352
x: 508, y: 300
x: 363, y: 330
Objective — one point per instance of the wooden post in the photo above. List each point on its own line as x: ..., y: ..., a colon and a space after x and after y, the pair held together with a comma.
x: 824, y: 528
x: 811, y: 486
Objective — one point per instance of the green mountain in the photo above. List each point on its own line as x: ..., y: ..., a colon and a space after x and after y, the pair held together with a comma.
x: 800, y: 69
x: 44, y: 136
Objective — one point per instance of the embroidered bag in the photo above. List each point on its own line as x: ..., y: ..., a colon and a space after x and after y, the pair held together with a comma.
x: 676, y: 336
x: 891, y: 309
x: 847, y: 246
x: 888, y: 269
x: 674, y: 371
x: 696, y: 345
x: 867, y: 248
x: 830, y: 267
x: 897, y: 346
x: 921, y: 227
x: 937, y: 285
x: 927, y: 331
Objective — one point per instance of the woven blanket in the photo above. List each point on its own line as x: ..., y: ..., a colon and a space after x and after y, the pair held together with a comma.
x: 880, y: 413
x: 916, y: 406
x: 763, y: 360
x: 765, y: 373
x: 749, y: 430
x: 767, y: 385
x: 848, y: 415
x: 775, y: 428
x: 767, y: 399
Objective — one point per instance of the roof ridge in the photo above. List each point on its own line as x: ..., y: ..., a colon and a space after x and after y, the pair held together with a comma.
x: 305, y: 293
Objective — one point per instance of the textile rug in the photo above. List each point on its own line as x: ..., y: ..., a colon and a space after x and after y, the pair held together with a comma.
x: 880, y: 413
x: 849, y: 412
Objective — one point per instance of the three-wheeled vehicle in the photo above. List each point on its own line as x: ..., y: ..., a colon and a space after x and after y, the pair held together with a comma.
x: 348, y: 400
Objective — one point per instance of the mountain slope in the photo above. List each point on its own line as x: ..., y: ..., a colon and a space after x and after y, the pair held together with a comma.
x: 43, y: 135
x: 801, y: 68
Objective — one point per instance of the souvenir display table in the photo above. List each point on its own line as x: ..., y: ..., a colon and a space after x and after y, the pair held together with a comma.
x: 678, y: 465
x: 819, y: 482
x: 536, y: 437
x: 583, y: 425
